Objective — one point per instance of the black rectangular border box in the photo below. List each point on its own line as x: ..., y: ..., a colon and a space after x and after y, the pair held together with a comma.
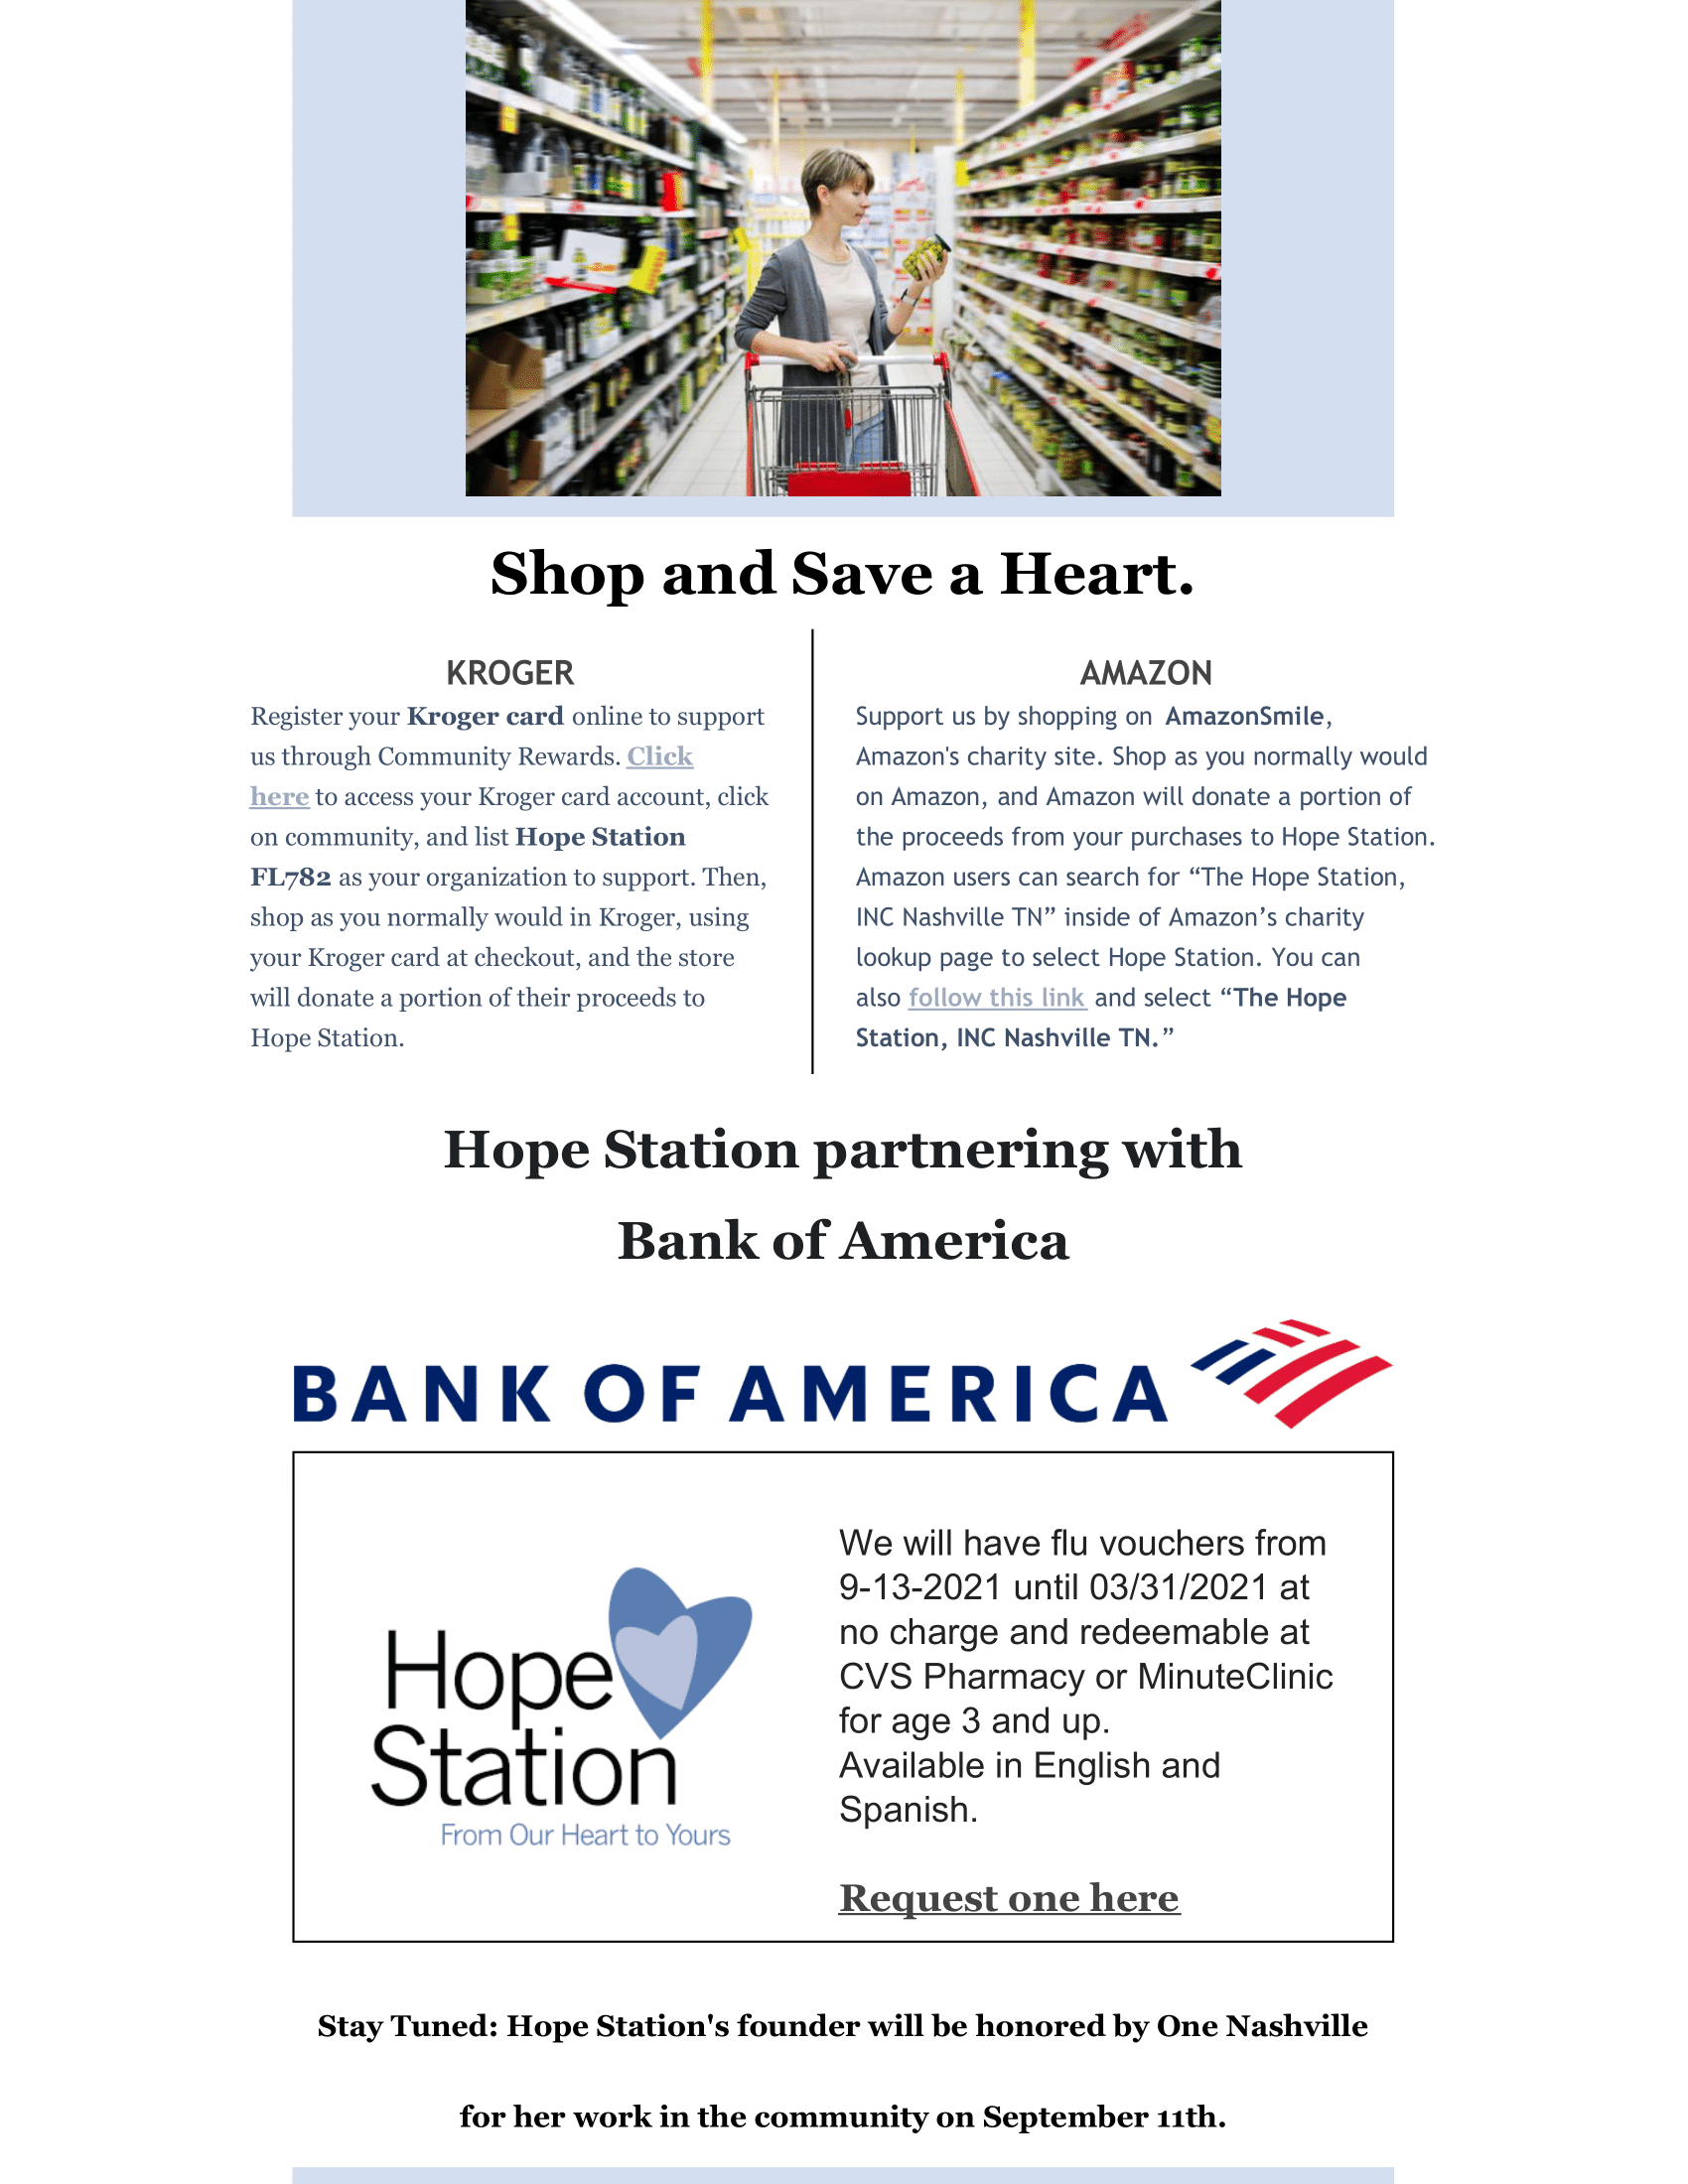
x: 841, y: 1941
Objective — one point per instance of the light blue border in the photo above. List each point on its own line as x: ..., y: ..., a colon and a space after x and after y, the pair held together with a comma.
x: 1309, y: 249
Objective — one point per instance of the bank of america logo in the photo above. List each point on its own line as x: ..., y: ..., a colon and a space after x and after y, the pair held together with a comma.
x: 1281, y: 1363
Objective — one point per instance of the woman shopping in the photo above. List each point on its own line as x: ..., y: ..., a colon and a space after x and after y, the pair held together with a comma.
x: 824, y: 291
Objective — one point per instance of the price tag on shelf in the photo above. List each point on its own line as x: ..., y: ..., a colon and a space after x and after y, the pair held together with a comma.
x: 509, y: 121
x: 739, y: 239
x: 512, y: 227
x: 1214, y: 430
x: 648, y: 272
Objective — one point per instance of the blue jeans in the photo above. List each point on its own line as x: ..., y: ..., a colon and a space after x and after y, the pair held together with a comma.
x: 865, y: 443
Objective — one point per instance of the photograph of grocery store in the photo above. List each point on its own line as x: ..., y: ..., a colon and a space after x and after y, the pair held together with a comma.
x: 909, y: 248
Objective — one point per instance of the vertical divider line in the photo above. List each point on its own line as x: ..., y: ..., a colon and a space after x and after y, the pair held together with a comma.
x: 812, y: 853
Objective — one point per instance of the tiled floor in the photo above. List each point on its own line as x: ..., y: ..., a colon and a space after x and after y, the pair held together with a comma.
x: 996, y: 466
x: 710, y: 460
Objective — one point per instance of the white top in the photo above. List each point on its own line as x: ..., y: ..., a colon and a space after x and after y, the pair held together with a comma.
x: 848, y: 295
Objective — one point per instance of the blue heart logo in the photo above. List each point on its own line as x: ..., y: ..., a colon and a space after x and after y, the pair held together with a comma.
x: 672, y: 1656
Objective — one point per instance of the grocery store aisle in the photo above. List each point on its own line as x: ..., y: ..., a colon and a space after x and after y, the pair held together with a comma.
x: 614, y: 226
x: 710, y: 460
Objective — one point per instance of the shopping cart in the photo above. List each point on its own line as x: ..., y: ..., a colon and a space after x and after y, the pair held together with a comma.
x: 889, y: 440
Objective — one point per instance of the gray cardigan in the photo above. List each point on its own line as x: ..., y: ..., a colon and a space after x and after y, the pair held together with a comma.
x: 788, y: 291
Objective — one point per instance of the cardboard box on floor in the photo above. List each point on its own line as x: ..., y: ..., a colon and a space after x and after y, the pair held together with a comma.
x: 500, y: 484
x: 500, y: 373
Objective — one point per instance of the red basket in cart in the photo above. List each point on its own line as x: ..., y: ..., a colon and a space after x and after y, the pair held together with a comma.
x: 868, y: 435
x: 815, y: 480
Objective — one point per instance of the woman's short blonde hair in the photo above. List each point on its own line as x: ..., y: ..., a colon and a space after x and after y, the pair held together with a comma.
x: 833, y: 170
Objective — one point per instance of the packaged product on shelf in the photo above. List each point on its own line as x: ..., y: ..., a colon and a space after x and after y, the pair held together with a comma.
x: 557, y: 87
x: 599, y: 332
x: 559, y: 436
x: 549, y: 335
x: 499, y: 276
x: 527, y: 175
x: 480, y: 171
x: 590, y: 258
x: 485, y: 56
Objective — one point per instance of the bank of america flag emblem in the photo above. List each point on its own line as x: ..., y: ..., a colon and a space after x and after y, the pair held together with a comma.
x: 1293, y: 1368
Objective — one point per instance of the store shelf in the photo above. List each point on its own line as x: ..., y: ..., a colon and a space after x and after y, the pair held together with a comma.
x: 502, y: 94
x: 1104, y: 447
x: 1199, y: 82
x: 606, y: 209
x: 1191, y: 269
x: 590, y: 207
x: 1097, y: 300
x: 1163, y: 33
x: 477, y: 201
x: 483, y: 317
x: 484, y: 425
x: 997, y: 348
x: 579, y: 29
x: 493, y: 94
x: 1105, y: 353
x: 983, y: 288
x: 619, y: 422
x: 647, y: 477
x: 494, y: 422
x: 1114, y: 454
x: 1005, y: 426
x: 702, y: 147
x: 1187, y: 452
x: 1095, y: 208
x: 1096, y: 163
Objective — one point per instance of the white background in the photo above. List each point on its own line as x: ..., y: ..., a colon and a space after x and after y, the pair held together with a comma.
x: 518, y: 1553
x: 1476, y: 1176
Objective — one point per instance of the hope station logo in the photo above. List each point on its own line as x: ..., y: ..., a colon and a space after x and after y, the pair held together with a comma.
x: 670, y: 1657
